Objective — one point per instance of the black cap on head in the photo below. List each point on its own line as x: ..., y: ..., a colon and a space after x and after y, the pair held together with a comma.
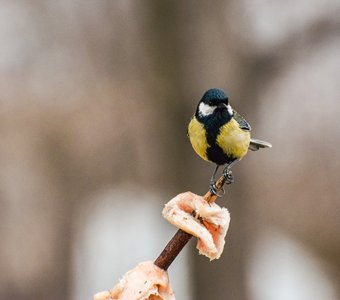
x: 215, y: 96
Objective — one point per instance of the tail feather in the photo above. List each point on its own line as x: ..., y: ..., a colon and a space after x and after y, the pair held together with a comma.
x: 256, y: 144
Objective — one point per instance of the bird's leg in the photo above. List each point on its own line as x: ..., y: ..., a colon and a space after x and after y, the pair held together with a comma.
x: 213, y: 188
x: 228, y: 174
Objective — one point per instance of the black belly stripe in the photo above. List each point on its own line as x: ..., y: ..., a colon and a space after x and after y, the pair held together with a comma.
x: 216, y: 155
x: 212, y: 126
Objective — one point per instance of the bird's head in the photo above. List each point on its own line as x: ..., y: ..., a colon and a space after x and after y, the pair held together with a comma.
x: 213, y: 101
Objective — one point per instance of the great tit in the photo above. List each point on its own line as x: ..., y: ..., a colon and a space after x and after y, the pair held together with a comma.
x: 219, y: 134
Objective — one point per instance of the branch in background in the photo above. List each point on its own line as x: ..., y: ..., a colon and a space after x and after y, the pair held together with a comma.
x: 181, y: 238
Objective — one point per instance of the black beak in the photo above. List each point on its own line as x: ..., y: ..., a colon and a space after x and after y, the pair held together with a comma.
x: 222, y: 105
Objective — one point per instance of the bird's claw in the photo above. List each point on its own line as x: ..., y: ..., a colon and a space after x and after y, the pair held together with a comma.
x: 214, y: 191
x: 229, y: 178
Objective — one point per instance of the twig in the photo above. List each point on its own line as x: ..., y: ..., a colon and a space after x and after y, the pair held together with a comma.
x: 181, y: 238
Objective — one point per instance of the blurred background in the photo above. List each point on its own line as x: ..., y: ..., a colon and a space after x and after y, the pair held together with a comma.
x: 95, y: 98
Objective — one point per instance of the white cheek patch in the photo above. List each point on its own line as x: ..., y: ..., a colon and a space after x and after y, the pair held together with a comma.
x: 230, y: 110
x: 205, y: 109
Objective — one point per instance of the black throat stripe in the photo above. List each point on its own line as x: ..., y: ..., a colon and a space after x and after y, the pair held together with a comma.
x: 212, y: 125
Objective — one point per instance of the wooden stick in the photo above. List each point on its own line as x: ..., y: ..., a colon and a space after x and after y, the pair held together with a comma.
x: 181, y: 238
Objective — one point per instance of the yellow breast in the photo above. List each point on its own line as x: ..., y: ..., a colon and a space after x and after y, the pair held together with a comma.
x: 233, y: 140
x: 198, y: 139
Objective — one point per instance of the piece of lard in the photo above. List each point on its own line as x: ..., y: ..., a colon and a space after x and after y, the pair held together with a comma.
x: 194, y: 215
x: 145, y: 282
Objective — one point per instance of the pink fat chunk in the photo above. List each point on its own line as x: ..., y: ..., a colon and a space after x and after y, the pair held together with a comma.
x: 194, y: 215
x: 145, y: 282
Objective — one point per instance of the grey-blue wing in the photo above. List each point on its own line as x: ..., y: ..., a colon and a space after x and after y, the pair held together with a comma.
x: 241, y: 121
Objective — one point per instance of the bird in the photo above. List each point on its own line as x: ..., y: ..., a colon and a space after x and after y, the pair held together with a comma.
x: 220, y: 135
